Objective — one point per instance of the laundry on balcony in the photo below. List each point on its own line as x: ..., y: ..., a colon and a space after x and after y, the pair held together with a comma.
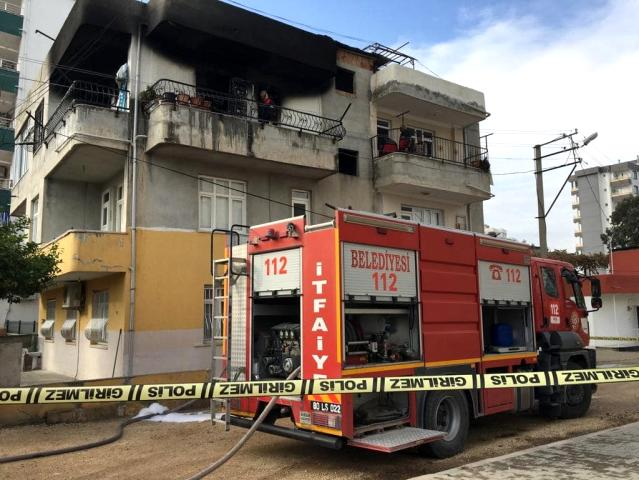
x: 420, y: 143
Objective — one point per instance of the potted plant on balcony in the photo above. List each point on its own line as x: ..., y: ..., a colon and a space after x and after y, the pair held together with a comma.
x: 147, y: 96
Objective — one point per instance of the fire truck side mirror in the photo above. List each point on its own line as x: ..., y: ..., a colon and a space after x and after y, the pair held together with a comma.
x: 596, y: 303
x: 595, y: 287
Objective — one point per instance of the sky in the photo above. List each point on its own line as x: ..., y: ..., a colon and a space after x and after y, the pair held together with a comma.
x: 545, y: 68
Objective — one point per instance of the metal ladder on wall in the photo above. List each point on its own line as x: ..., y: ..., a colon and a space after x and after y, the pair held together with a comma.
x: 224, y: 272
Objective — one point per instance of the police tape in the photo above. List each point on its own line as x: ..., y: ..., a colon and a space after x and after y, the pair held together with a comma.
x: 626, y: 339
x: 225, y: 390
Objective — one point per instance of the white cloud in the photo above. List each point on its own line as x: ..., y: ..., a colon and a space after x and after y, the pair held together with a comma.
x: 547, y: 79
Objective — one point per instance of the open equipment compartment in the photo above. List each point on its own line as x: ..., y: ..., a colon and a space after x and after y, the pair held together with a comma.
x: 380, y: 334
x: 276, y: 314
x: 381, y: 310
x: 506, y: 308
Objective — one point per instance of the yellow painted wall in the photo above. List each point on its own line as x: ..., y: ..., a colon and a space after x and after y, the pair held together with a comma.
x: 172, y: 269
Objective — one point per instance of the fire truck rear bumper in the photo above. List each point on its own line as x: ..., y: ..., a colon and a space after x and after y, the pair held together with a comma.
x: 320, y: 439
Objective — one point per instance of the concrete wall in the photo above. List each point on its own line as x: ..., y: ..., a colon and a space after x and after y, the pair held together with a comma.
x: 26, y: 310
x: 426, y: 87
x: 10, y: 361
x: 617, y: 318
x: 80, y: 359
x: 79, y: 200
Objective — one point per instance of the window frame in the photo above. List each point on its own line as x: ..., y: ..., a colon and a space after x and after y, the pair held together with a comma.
x: 408, y: 212
x: 551, y: 270
x: 48, y: 322
x: 70, y: 319
x: 108, y: 226
x: 305, y: 202
x: 35, y: 217
x: 99, y: 316
x: 38, y: 127
x: 231, y: 195
x: 422, y: 137
x: 351, y: 74
x: 119, y: 209
x: 354, y: 156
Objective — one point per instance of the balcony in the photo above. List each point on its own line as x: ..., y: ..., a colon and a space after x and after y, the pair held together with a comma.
x: 619, y: 194
x: 402, y: 89
x: 10, y: 19
x: 447, y: 170
x: 239, y: 130
x: 620, y: 180
x: 88, y: 254
x: 89, y: 133
x: 9, y: 75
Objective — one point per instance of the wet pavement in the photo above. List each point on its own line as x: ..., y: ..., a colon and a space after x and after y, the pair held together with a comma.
x: 609, y: 454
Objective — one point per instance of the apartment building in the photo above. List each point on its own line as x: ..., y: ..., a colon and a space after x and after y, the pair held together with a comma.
x: 346, y: 127
x: 22, y: 45
x: 10, y: 33
x: 596, y: 192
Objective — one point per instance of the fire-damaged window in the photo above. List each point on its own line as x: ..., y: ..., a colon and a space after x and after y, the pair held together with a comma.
x: 347, y: 161
x: 345, y: 80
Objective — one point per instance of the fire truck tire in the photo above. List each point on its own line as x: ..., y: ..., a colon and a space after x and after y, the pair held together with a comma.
x: 578, y: 397
x: 446, y: 411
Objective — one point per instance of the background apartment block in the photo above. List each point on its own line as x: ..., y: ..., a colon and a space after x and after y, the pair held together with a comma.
x: 350, y: 128
x: 596, y: 192
x: 10, y: 31
x: 19, y: 35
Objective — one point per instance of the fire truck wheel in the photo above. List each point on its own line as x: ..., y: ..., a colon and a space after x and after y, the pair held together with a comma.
x: 578, y: 397
x: 446, y: 412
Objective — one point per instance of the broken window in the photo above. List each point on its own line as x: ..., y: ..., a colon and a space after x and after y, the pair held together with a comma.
x: 347, y: 161
x: 345, y: 80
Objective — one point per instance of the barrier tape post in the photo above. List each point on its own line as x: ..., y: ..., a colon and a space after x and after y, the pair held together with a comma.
x: 222, y: 390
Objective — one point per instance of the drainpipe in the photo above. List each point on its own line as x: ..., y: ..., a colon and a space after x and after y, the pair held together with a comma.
x: 134, y: 200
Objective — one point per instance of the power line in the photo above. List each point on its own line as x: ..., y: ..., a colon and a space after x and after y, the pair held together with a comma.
x: 294, y: 22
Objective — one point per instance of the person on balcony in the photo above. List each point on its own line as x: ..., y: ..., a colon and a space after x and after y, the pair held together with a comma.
x: 266, y: 110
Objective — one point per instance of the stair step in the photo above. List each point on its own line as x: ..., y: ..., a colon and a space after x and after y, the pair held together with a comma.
x: 397, y: 439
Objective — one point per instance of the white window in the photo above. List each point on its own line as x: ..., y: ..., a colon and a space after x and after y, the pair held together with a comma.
x: 119, y: 209
x: 20, y: 160
x: 383, y: 128
x: 105, y: 217
x: 68, y: 330
x: 35, y: 217
x: 460, y: 222
x: 301, y: 203
x: 425, y: 216
x: 422, y: 140
x: 96, y: 331
x: 222, y: 203
x: 47, y: 327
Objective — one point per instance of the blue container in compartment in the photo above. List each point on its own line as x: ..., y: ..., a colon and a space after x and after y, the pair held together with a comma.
x: 502, y: 335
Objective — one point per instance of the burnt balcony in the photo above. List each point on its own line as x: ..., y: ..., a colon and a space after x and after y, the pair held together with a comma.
x: 450, y: 171
x: 87, y: 135
x: 240, y: 129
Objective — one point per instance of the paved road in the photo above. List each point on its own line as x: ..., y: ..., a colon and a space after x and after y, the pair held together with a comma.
x: 609, y: 454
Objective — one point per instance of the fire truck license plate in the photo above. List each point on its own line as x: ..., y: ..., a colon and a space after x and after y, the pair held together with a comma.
x: 326, y: 407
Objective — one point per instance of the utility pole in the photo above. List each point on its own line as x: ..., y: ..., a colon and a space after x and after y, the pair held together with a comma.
x: 541, y: 208
x: 539, y: 180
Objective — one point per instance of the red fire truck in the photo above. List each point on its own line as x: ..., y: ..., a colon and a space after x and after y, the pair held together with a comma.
x: 369, y: 295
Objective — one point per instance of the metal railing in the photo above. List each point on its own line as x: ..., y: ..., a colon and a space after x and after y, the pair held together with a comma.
x: 406, y: 141
x: 10, y: 7
x: 227, y: 104
x: 86, y: 93
x: 6, y: 183
x: 8, y: 64
x: 5, y: 122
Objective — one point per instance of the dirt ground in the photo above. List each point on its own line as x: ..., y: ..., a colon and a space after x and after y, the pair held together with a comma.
x: 169, y: 450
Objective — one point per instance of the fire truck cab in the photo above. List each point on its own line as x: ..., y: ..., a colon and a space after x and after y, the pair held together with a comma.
x: 369, y: 295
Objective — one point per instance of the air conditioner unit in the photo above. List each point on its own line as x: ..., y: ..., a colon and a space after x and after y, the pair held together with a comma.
x: 73, y: 296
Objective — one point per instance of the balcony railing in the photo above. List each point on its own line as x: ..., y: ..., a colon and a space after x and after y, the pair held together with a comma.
x: 6, y: 183
x: 227, y: 104
x: 405, y: 141
x: 5, y: 122
x: 86, y: 93
x: 10, y: 7
x: 8, y: 64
